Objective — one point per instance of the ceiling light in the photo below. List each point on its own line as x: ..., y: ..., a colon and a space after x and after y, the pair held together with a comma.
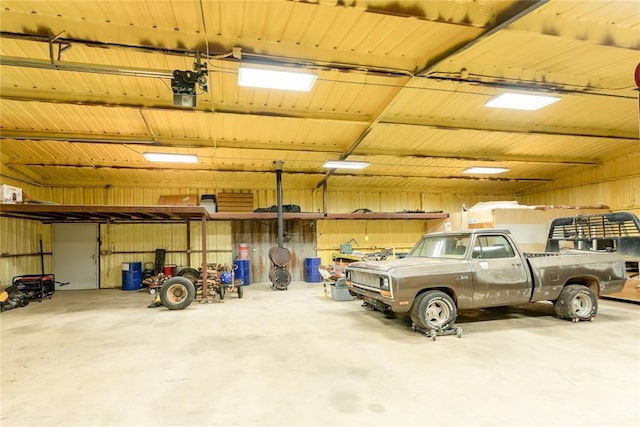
x: 485, y: 170
x: 342, y: 164
x: 519, y: 101
x: 171, y: 157
x: 276, y: 79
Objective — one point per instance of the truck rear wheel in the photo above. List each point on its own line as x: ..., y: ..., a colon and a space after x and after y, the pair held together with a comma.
x: 177, y: 293
x: 434, y: 310
x: 576, y: 302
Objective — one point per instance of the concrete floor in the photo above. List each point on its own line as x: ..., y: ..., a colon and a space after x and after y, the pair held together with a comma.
x: 298, y: 358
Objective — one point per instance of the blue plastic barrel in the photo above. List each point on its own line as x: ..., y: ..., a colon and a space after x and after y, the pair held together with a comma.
x: 131, y: 276
x: 243, y: 271
x: 312, y: 274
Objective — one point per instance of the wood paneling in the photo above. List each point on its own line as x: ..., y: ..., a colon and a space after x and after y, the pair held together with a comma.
x: 262, y: 235
x: 235, y: 202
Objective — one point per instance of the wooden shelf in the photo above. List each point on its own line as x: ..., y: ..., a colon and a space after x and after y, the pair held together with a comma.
x: 144, y: 213
x: 102, y: 213
x: 264, y: 215
x: 320, y: 215
x: 387, y: 215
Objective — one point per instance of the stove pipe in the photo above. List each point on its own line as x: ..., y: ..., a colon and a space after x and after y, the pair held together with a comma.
x: 278, y: 164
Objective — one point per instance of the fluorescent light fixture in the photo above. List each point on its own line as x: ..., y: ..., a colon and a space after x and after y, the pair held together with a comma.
x: 519, y: 101
x: 485, y: 170
x: 275, y: 79
x: 171, y: 157
x: 342, y: 164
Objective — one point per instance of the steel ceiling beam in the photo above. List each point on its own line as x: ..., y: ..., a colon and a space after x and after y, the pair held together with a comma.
x: 93, y: 100
x: 13, y: 61
x: 208, y: 169
x: 262, y: 146
x: 165, y: 142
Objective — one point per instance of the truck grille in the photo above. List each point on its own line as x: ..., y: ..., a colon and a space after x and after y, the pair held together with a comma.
x: 365, y: 279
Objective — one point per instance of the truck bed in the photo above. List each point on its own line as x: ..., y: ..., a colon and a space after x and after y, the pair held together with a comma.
x: 551, y: 270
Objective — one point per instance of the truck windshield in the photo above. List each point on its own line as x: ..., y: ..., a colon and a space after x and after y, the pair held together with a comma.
x: 445, y: 246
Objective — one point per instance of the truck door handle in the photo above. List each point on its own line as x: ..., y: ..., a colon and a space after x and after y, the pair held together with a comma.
x: 516, y: 264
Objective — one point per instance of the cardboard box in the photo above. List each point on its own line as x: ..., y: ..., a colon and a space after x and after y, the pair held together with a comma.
x: 178, y: 200
x: 11, y: 194
x: 529, y: 225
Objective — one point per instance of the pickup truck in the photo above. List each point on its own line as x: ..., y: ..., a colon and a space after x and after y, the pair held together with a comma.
x: 471, y: 269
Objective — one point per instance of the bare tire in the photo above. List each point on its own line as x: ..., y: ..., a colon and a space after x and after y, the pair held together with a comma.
x: 177, y: 293
x: 190, y: 273
x: 576, y: 302
x: 240, y: 291
x: 434, y: 311
x: 221, y: 291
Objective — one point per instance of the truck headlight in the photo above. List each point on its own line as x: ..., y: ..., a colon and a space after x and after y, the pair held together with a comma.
x: 385, y: 286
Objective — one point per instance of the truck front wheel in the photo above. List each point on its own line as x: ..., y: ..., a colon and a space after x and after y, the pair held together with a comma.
x: 434, y: 310
x: 576, y: 302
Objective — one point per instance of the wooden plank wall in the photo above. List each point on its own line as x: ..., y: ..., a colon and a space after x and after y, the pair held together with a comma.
x: 235, y: 202
x: 261, y: 236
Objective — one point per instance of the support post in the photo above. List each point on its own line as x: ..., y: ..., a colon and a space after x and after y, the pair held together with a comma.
x: 204, y: 255
x: 325, y: 198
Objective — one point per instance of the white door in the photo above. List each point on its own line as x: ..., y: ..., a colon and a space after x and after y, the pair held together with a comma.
x: 75, y: 256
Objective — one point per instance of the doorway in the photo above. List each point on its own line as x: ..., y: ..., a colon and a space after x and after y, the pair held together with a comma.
x: 75, y: 256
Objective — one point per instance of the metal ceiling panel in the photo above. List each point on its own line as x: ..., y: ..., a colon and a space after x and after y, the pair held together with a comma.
x: 378, y: 34
x: 460, y: 104
x: 469, y: 186
x: 398, y: 36
x: 96, y: 177
x: 549, y: 60
x: 608, y: 22
x: 247, y: 131
x: 77, y: 163
x: 401, y: 85
x: 354, y: 96
x: 407, y: 140
x: 74, y: 119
